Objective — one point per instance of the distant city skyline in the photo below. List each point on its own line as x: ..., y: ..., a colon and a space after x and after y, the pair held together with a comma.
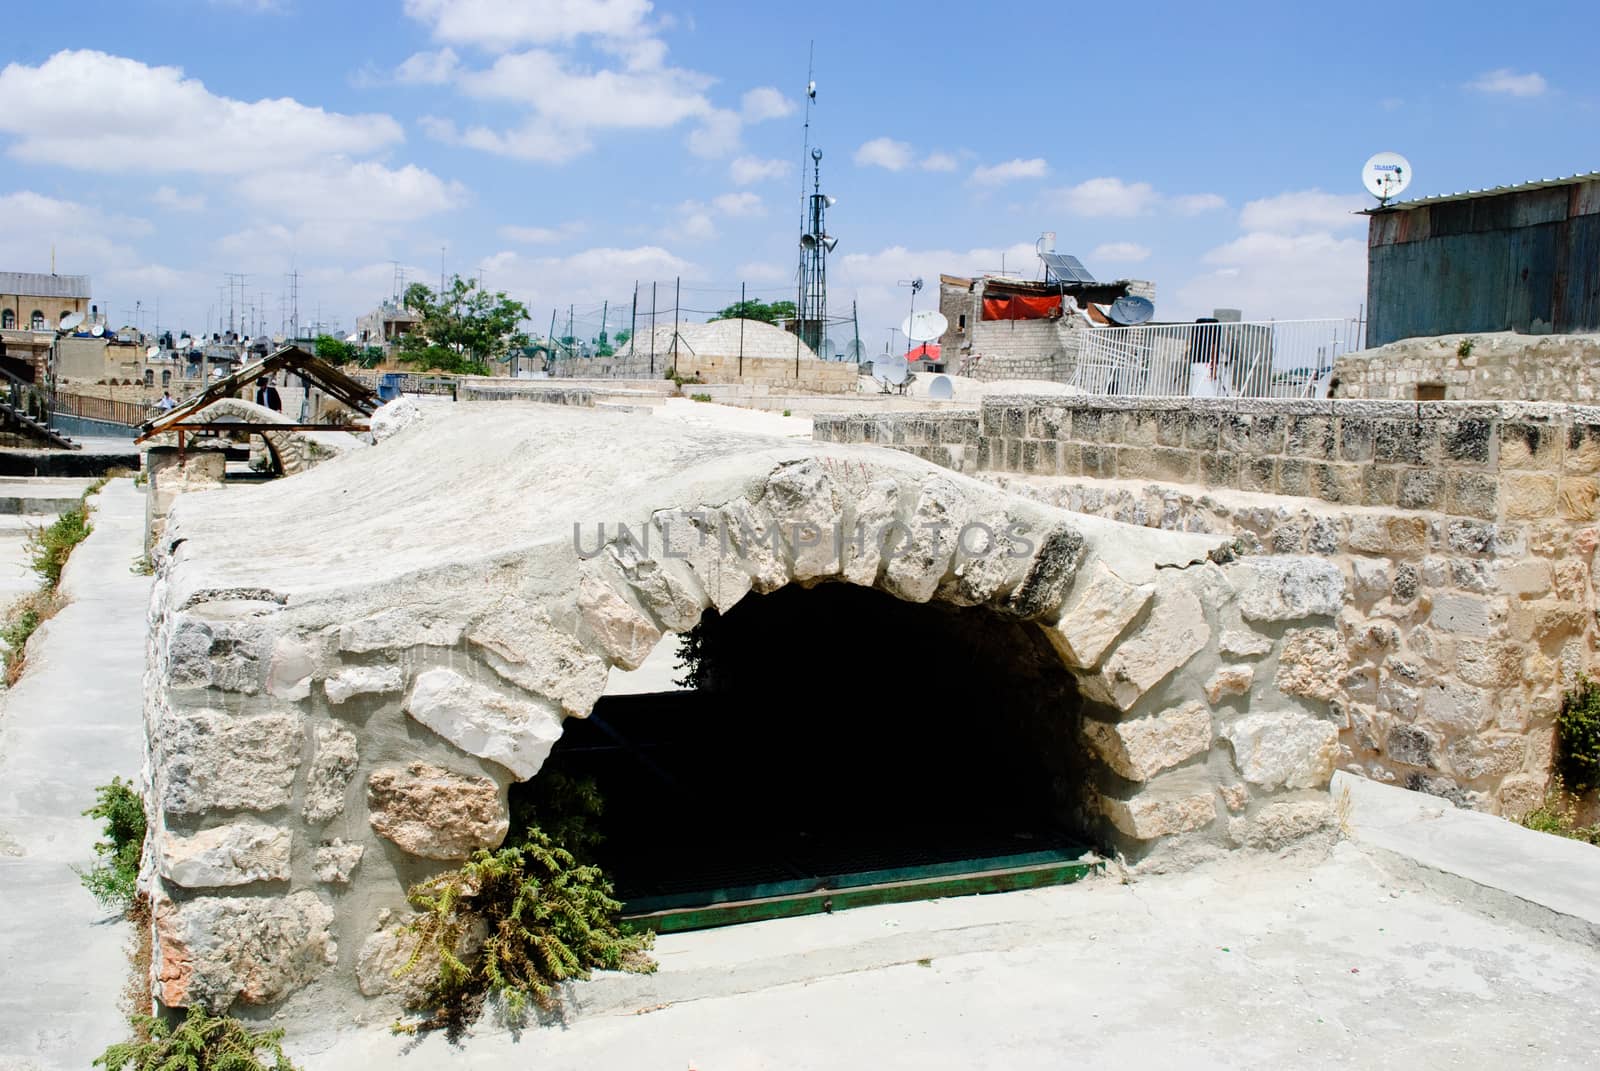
x: 564, y: 150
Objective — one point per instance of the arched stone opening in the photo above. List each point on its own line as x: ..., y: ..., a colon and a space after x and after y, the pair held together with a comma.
x: 833, y: 735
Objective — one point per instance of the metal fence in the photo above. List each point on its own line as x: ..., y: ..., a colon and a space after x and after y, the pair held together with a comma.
x: 130, y: 414
x: 1262, y: 359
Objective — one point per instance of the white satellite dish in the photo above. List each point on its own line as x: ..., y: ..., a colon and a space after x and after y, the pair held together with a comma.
x: 941, y: 390
x: 71, y: 320
x: 152, y: 353
x: 855, y: 351
x: 1386, y: 175
x: 352, y: 337
x: 924, y: 326
x: 830, y: 349
x: 891, y: 369
x: 277, y: 340
x: 185, y: 342
x: 97, y: 330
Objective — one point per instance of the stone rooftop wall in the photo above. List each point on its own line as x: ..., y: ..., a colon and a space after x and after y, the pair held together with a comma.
x: 1465, y: 532
x: 1500, y: 366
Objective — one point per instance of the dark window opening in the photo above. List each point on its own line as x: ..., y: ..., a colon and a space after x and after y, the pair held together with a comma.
x: 1430, y: 392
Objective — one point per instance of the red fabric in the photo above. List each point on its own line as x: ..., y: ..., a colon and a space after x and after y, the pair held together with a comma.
x: 1021, y: 307
x: 928, y: 351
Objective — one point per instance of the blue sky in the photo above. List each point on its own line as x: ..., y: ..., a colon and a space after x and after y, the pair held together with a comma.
x: 566, y: 148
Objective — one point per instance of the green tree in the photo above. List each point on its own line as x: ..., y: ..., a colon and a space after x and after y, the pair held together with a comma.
x: 463, y: 329
x: 769, y: 312
x: 336, y: 350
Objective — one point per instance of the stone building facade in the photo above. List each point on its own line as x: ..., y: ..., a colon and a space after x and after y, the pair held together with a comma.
x: 1489, y: 367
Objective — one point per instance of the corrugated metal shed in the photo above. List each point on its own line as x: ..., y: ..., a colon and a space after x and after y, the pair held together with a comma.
x: 39, y: 284
x: 1514, y: 258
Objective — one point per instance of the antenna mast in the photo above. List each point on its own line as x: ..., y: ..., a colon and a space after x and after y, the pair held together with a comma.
x: 811, y: 312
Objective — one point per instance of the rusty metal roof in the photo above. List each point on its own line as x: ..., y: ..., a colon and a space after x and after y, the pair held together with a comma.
x: 1492, y: 191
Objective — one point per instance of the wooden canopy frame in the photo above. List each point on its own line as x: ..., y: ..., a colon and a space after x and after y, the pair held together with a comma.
x: 288, y: 359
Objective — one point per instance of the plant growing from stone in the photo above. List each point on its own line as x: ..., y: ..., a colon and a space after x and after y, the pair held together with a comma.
x: 198, y: 1042
x: 547, y: 919
x: 1558, y: 814
x: 1578, y: 737
x: 113, y: 880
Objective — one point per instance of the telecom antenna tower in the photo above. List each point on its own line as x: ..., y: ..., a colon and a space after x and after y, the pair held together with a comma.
x: 811, y: 316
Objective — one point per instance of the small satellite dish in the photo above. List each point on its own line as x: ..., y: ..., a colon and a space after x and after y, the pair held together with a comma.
x: 924, y: 326
x: 891, y: 369
x: 277, y: 340
x: 71, y: 320
x: 830, y: 349
x: 152, y: 353
x: 855, y: 351
x: 97, y: 330
x: 185, y: 342
x: 352, y: 337
x: 941, y: 390
x: 1386, y: 175
x: 1130, y: 311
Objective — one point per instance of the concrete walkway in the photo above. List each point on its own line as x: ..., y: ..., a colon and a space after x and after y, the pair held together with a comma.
x: 72, y: 722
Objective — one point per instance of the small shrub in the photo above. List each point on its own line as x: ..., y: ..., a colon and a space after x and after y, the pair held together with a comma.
x: 1465, y: 349
x: 1558, y: 814
x: 113, y: 879
x: 1578, y: 737
x: 22, y: 620
x: 786, y: 412
x: 199, y: 1042
x: 547, y: 917
x: 50, y: 547
x: 700, y: 397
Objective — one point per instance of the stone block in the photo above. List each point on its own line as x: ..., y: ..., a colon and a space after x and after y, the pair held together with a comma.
x: 1487, y: 756
x: 1141, y: 748
x: 1238, y: 643
x: 1229, y: 680
x: 1489, y: 663
x: 1287, y: 588
x: 1336, y: 483
x: 335, y: 861
x: 1528, y: 496
x: 352, y: 681
x: 1170, y: 427
x: 516, y: 732
x: 332, y: 767
x: 1527, y: 579
x: 1280, y: 824
x: 1283, y: 748
x: 1582, y: 456
x: 1148, y: 816
x: 1379, y: 485
x: 1467, y: 615
x: 1412, y: 746
x: 1355, y: 439
x: 1399, y: 441
x: 1106, y: 606
x: 624, y: 633
x: 1294, y: 478
x: 1466, y: 441
x: 215, y: 950
x: 1578, y: 498
x: 1312, y: 663
x: 436, y: 813
x: 1388, y: 535
x: 1371, y: 578
x: 1529, y: 446
x: 1259, y: 474
x: 235, y: 854
x: 1454, y: 707
x: 1174, y: 631
x: 1310, y: 437
x: 1472, y: 494
x: 1420, y: 489
x: 210, y: 760
x: 395, y: 630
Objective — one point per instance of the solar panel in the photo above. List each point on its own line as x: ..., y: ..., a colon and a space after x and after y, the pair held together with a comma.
x: 1066, y: 268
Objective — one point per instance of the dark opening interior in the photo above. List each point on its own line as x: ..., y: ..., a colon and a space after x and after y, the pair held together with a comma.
x: 834, y: 735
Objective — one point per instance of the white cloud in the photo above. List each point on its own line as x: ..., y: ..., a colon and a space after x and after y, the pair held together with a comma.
x: 1101, y: 197
x: 495, y: 25
x: 739, y: 204
x: 1509, y: 83
x: 587, y: 276
x: 580, y: 98
x: 539, y: 235
x: 748, y: 170
x: 1302, y: 211
x: 1281, y: 276
x: 763, y: 103
x: 939, y: 161
x: 152, y: 118
x: 1120, y: 253
x: 534, y: 140
x: 352, y: 192
x: 761, y: 271
x: 1194, y: 204
x: 717, y: 135
x: 693, y: 224
x: 428, y: 68
x: 873, y: 280
x: 1010, y: 171
x: 170, y: 199
x: 886, y: 153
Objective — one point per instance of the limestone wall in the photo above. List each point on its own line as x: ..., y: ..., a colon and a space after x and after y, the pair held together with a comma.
x: 1020, y: 349
x: 1499, y: 366
x: 1465, y: 532
x: 328, y: 725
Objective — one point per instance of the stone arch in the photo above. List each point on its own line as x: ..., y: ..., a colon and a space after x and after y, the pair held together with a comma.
x: 366, y: 711
x: 36, y: 320
x: 289, y: 451
x: 8, y: 319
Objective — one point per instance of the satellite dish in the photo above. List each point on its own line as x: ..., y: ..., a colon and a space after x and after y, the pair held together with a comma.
x: 830, y: 349
x: 924, y: 326
x: 152, y: 353
x: 1130, y: 311
x: 855, y: 351
x: 71, y: 320
x: 891, y: 369
x: 277, y: 340
x: 97, y: 330
x: 185, y: 342
x: 1386, y: 175
x: 941, y: 390
x: 352, y: 337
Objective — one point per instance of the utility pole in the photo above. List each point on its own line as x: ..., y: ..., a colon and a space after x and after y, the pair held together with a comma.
x: 652, y: 330
x: 677, y: 292
x: 742, y: 311
x: 633, y: 321
x: 605, y: 306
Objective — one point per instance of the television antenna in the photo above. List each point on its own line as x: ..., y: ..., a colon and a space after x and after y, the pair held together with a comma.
x: 1386, y: 175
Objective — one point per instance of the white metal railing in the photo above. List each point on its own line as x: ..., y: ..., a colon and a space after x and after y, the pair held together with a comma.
x: 1261, y: 359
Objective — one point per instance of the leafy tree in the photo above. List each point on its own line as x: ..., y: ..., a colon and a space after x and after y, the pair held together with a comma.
x: 336, y: 350
x: 463, y: 329
x: 769, y: 312
x: 621, y: 338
